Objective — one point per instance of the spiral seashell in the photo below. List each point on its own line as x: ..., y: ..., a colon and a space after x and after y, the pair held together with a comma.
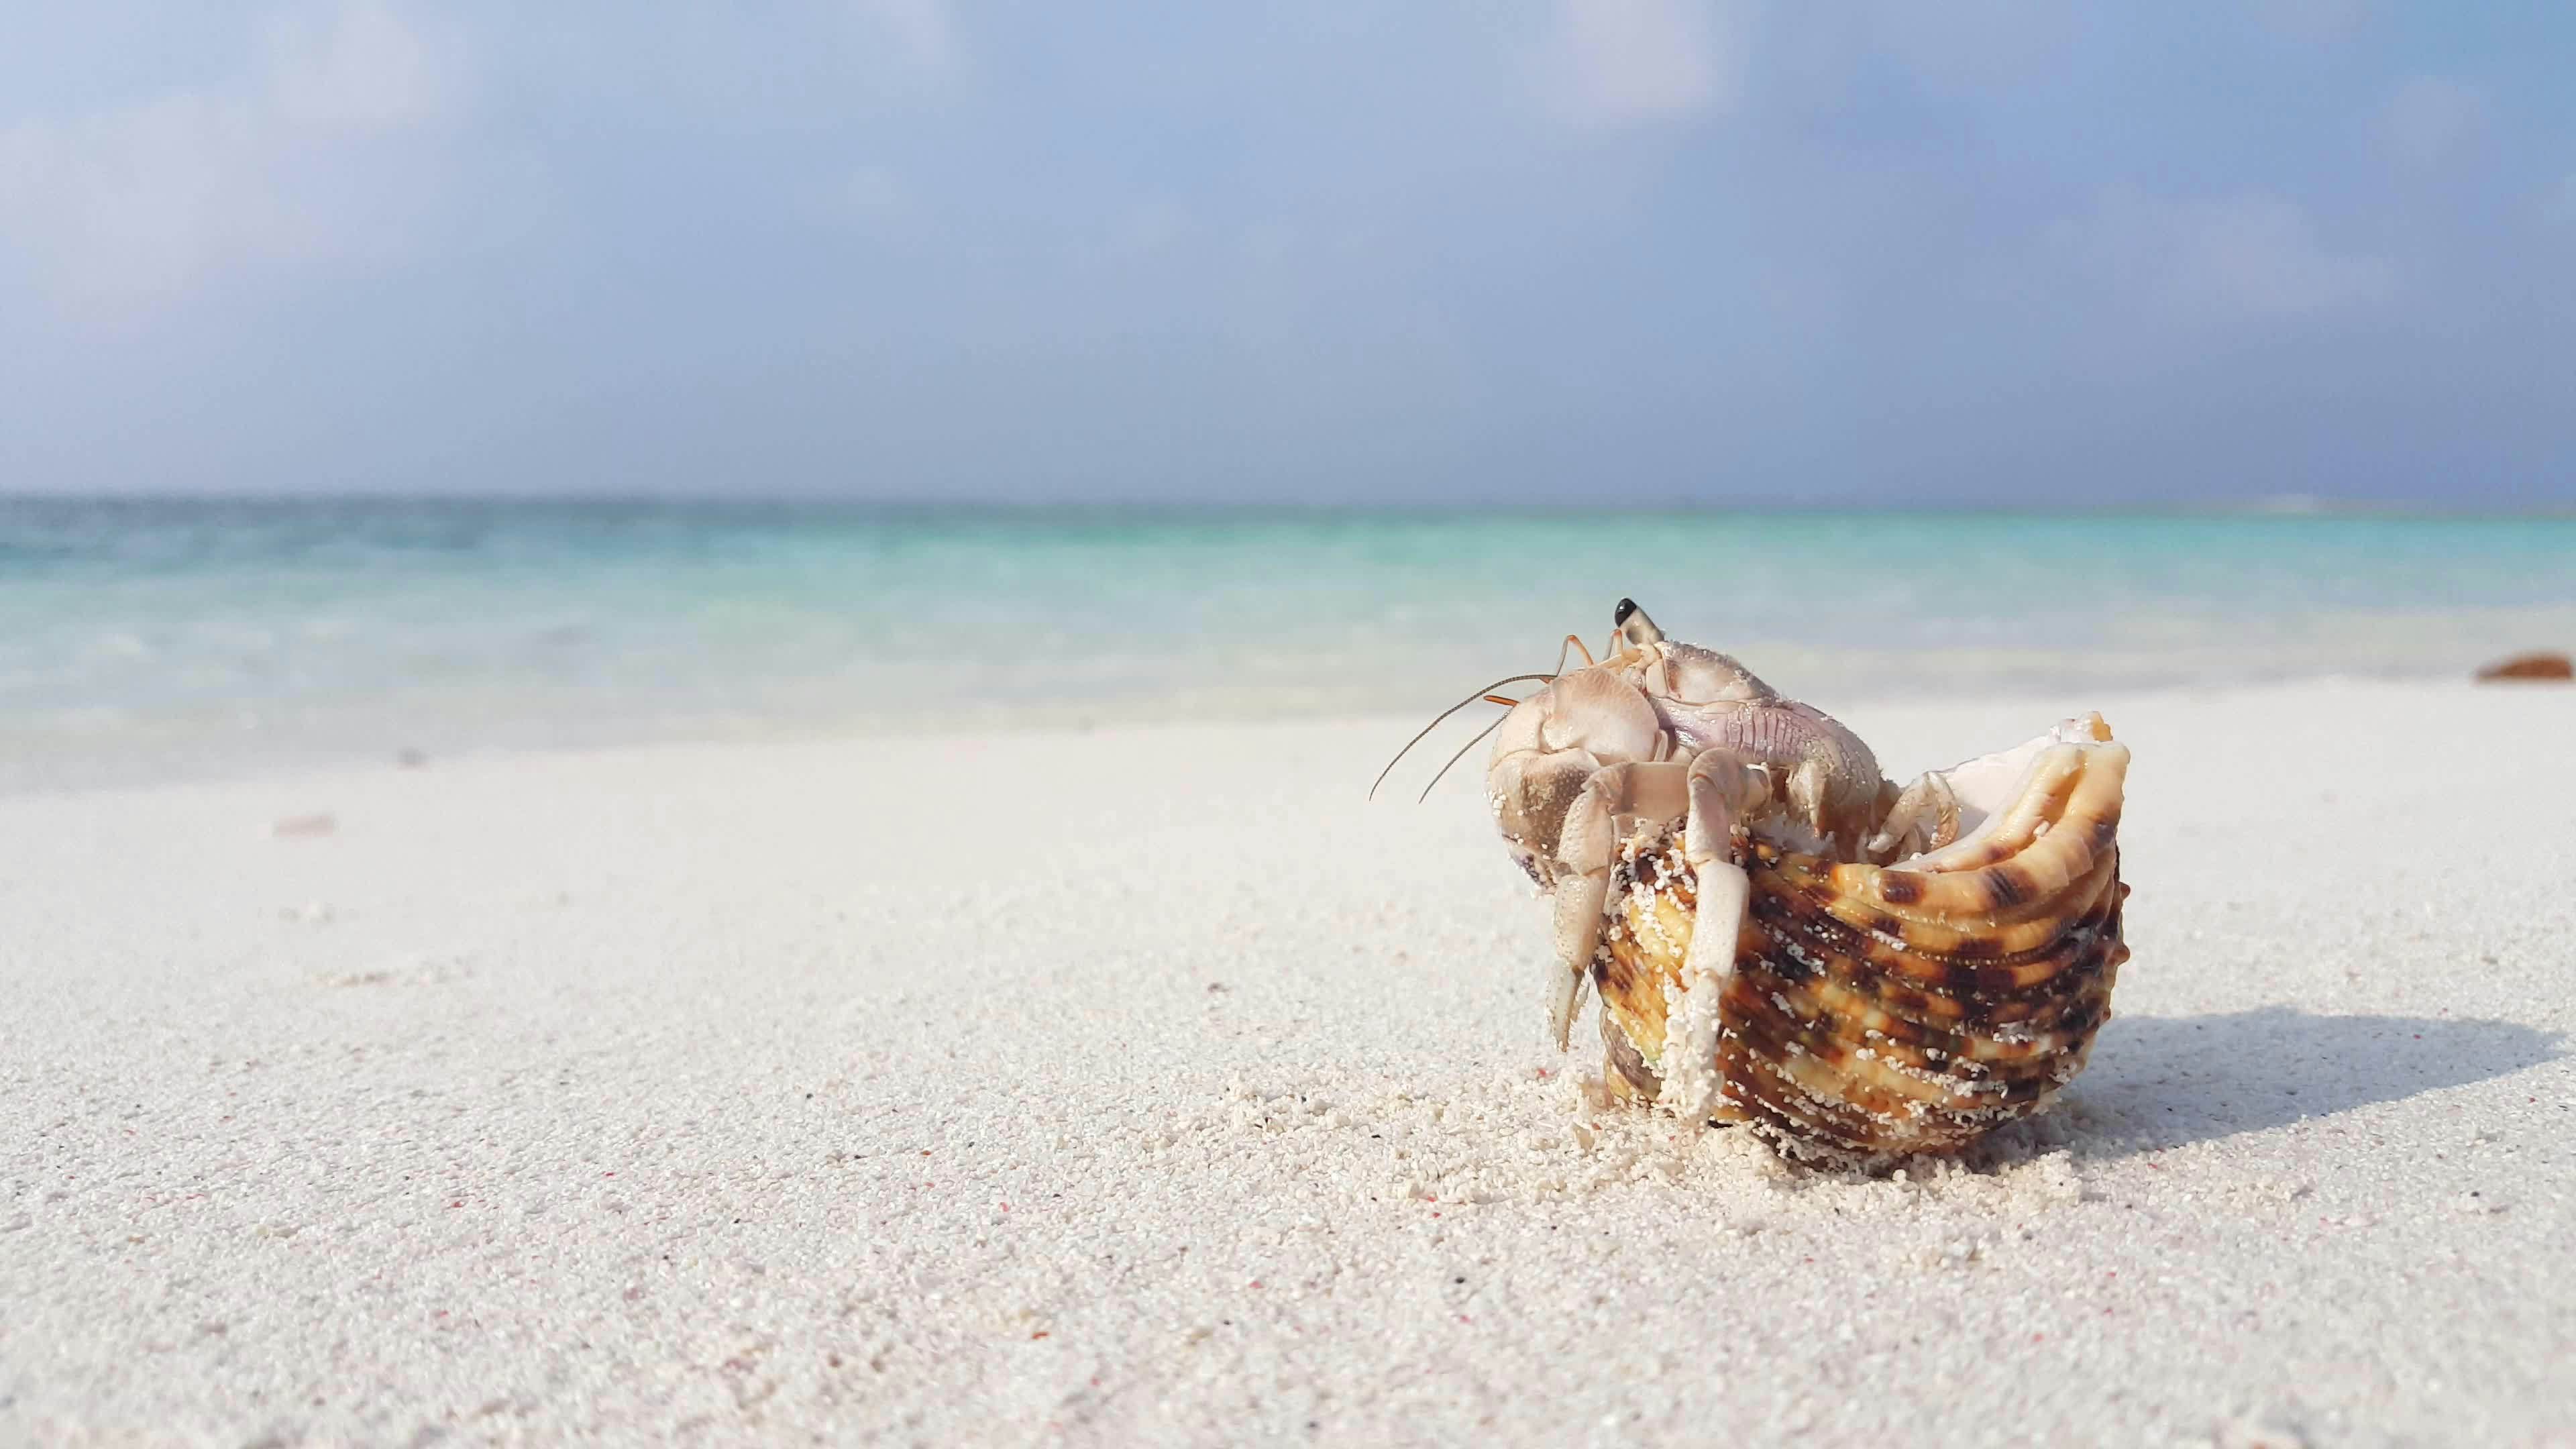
x: 1877, y: 1012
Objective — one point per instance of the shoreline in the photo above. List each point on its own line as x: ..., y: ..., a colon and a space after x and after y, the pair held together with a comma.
x: 50, y: 761
x: 1150, y: 1086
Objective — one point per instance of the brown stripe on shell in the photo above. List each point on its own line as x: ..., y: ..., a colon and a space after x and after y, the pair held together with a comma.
x: 2006, y: 887
x: 1983, y: 932
x: 1624, y: 1069
x: 2074, y: 787
x: 1957, y: 1000
x: 1905, y: 964
x: 1823, y: 1022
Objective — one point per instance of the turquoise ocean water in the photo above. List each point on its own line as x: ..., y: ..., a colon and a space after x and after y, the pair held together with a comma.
x: 147, y: 639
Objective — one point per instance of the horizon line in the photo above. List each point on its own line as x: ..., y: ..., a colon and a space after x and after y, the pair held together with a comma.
x: 2278, y: 506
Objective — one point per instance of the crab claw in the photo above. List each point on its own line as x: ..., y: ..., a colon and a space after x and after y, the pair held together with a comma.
x: 1924, y: 817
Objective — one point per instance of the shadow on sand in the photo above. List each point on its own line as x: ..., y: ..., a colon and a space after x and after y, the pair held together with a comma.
x: 2156, y: 1082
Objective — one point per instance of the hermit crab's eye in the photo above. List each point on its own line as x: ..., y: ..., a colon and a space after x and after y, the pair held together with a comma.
x: 1620, y: 615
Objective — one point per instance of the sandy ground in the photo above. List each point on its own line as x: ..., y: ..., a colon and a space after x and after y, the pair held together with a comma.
x: 1150, y: 1087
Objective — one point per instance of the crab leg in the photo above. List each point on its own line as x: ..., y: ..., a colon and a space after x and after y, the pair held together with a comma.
x: 1658, y: 790
x: 1725, y: 788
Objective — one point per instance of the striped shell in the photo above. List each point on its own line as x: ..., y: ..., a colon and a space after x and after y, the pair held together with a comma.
x: 1879, y: 1012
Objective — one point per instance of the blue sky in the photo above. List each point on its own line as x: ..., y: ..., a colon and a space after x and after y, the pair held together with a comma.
x: 1616, y: 253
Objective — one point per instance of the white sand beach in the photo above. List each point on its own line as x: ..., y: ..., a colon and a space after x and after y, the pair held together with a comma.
x: 1152, y: 1087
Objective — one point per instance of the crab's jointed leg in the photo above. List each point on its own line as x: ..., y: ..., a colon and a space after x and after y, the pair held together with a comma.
x: 1808, y: 782
x: 1657, y: 790
x: 1725, y: 789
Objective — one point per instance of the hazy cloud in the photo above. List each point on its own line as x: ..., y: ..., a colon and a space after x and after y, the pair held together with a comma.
x: 1619, y: 62
x: 357, y: 68
x: 2251, y: 254
x: 1960, y: 44
x: 2432, y: 120
x: 1711, y: 249
x: 922, y: 32
x: 134, y: 203
x: 863, y: 196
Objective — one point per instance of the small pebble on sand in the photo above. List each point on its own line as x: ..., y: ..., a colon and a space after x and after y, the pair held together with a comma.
x: 2536, y: 667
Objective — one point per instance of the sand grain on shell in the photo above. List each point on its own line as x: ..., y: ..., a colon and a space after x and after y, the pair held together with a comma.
x: 1150, y: 1087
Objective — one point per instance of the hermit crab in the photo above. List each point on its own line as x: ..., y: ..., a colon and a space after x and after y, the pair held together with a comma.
x: 1780, y: 936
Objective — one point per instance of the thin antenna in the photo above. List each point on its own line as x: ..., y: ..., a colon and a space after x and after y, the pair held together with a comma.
x: 1462, y: 753
x: 1475, y: 698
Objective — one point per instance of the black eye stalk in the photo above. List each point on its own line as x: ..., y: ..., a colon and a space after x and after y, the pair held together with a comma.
x: 1620, y: 615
